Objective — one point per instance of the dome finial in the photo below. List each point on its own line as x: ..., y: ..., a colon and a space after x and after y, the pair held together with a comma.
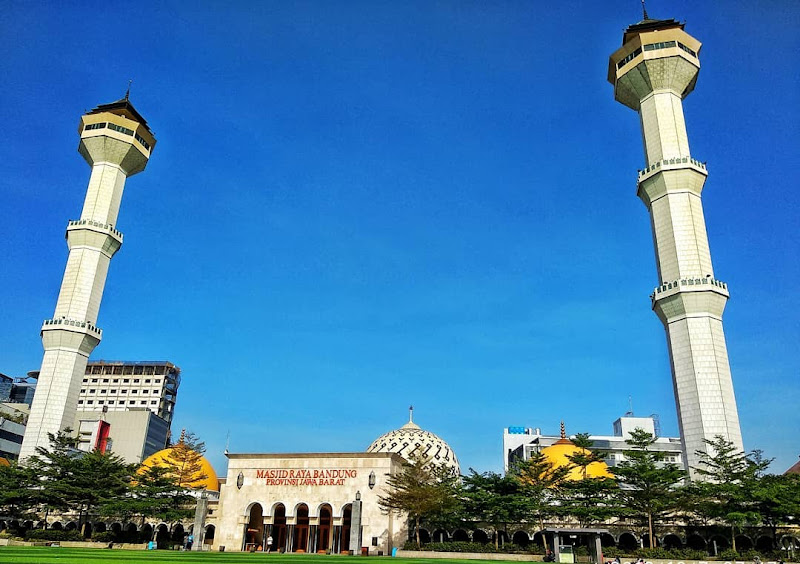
x: 410, y: 413
x: 563, y: 431
x: 183, y: 435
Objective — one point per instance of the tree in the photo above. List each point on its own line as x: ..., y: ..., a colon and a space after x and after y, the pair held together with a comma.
x: 69, y: 479
x: 422, y: 491
x: 16, y: 490
x: 540, y: 481
x: 591, y: 499
x: 154, y: 493
x: 729, y: 479
x: 494, y: 499
x: 648, y: 486
x: 184, y: 462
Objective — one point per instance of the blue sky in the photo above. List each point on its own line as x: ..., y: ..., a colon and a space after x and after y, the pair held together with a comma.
x: 357, y: 206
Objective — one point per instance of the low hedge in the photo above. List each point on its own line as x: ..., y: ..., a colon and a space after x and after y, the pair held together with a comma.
x: 53, y: 535
x: 475, y: 547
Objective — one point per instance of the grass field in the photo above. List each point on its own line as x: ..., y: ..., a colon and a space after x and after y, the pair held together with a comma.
x: 47, y: 555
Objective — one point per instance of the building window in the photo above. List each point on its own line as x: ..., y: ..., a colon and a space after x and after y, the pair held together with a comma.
x: 134, y: 391
x: 124, y: 391
x: 102, y: 391
x: 132, y: 402
x: 100, y: 402
x: 147, y: 381
x: 110, y: 402
x: 115, y: 381
x: 125, y: 380
x: 112, y: 391
x: 145, y: 391
x: 80, y: 402
x: 85, y: 380
x: 90, y: 402
x: 153, y: 402
x: 94, y: 126
x: 135, y: 380
x: 121, y: 129
x: 143, y: 402
x: 94, y: 380
x: 105, y: 380
x: 91, y: 391
x: 83, y: 391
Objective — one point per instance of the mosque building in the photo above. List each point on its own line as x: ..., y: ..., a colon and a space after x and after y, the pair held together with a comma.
x: 310, y: 502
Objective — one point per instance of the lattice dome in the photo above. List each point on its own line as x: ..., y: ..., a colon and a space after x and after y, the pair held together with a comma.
x: 410, y: 438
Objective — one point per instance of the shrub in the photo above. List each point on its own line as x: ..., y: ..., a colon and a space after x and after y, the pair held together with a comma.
x: 53, y: 535
x: 105, y: 536
x: 728, y: 554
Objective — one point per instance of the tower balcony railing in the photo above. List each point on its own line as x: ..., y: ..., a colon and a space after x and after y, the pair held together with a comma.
x: 673, y: 161
x: 90, y: 222
x: 65, y: 321
x: 676, y: 284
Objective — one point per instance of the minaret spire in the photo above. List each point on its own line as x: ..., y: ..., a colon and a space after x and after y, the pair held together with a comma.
x: 653, y: 71
x: 116, y: 143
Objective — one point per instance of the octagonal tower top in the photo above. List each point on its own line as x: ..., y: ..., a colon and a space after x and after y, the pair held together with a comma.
x: 655, y: 55
x: 116, y: 133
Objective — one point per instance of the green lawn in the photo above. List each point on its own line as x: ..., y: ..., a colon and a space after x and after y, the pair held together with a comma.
x: 47, y: 555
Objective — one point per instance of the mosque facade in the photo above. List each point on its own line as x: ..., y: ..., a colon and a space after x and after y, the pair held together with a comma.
x: 318, y: 502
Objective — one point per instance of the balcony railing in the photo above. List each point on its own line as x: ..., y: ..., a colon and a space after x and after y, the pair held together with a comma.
x: 674, y: 161
x: 667, y: 286
x: 64, y: 321
x: 93, y: 223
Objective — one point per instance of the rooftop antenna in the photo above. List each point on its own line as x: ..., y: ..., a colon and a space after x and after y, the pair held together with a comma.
x: 128, y: 92
x: 227, y: 442
x: 630, y: 407
x: 644, y: 11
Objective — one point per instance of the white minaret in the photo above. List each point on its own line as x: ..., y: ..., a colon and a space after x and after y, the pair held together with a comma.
x: 116, y: 142
x: 652, y: 72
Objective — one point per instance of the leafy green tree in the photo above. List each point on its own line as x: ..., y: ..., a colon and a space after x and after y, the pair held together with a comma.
x: 727, y: 484
x: 16, y: 490
x: 777, y: 499
x: 69, y: 479
x: 422, y: 491
x: 494, y: 499
x: 540, y: 481
x: 184, y: 462
x: 591, y: 499
x: 155, y: 494
x: 648, y: 487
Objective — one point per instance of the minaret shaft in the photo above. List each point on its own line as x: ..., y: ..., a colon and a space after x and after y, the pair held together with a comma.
x: 116, y: 143
x: 652, y: 72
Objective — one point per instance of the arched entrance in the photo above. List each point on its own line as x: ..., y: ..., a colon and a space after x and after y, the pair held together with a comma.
x: 162, y: 536
x: 254, y: 533
x: 325, y: 530
x: 460, y: 535
x: 672, y: 541
x: 521, y: 538
x: 480, y: 536
x: 177, y: 535
x: 209, y: 536
x: 300, y: 539
x: 628, y: 542
x: 347, y: 519
x: 696, y: 542
x: 278, y: 533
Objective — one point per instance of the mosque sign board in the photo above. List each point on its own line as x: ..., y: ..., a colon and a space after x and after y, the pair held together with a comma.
x: 306, y: 476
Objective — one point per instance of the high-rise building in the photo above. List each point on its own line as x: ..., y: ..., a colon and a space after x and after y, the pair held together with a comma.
x: 111, y: 386
x: 653, y: 71
x: 116, y: 142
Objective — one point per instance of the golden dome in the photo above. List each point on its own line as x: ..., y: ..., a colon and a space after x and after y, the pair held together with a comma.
x: 168, y: 458
x: 557, y: 454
